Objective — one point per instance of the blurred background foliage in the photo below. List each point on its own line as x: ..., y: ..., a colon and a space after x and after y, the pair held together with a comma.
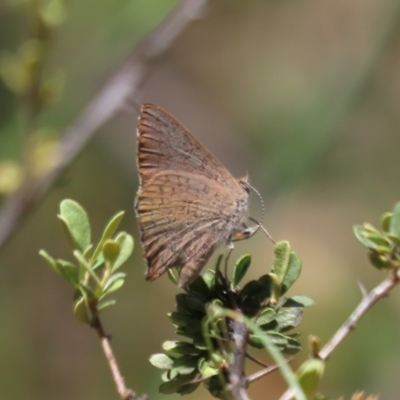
x: 301, y: 95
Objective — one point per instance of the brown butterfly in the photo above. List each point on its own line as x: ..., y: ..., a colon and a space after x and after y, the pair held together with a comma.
x: 187, y: 203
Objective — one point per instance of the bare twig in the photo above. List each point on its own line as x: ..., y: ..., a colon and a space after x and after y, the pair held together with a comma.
x: 113, y: 97
x: 124, y: 392
x: 260, y: 374
x: 367, y: 302
x: 350, y: 324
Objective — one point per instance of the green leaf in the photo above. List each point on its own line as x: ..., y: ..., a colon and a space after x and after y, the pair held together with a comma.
x: 209, y: 278
x: 172, y: 276
x: 199, y: 286
x: 161, y: 361
x: 69, y: 271
x: 76, y: 224
x: 105, y: 304
x: 174, y: 384
x: 81, y: 312
x: 309, y: 375
x: 393, y: 238
x: 287, y: 344
x: 214, y: 386
x: 111, y: 250
x: 178, y: 348
x: 293, y: 272
x: 266, y: 284
x: 190, y: 303
x: 240, y: 269
x: 108, y: 233
x: 188, y: 388
x: 207, y: 368
x: 50, y: 260
x: 276, y: 288
x: 365, y: 237
x: 185, y: 365
x: 281, y: 260
x: 252, y: 288
x: 126, y: 243
x: 289, y: 318
x: 296, y: 301
x: 395, y: 221
x: 168, y: 375
x: 386, y: 220
x: 185, y: 321
x: 113, y: 283
x: 380, y: 261
x: 378, y: 239
x: 266, y: 316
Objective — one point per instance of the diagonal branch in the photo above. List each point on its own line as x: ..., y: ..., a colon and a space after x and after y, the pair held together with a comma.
x: 379, y: 292
x: 124, y: 392
x: 122, y: 85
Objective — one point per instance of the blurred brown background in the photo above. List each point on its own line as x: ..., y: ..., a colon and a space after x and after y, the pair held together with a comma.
x: 302, y: 95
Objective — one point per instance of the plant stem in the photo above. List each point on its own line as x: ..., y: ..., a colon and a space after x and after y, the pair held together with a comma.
x: 124, y: 392
x: 379, y: 292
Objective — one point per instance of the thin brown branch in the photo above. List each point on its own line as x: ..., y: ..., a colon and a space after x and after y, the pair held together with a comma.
x: 266, y: 371
x: 123, y: 85
x: 124, y: 392
x: 367, y: 302
x: 379, y: 292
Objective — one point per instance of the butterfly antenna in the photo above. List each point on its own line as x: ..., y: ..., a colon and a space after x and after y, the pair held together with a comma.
x: 259, y: 223
x: 261, y: 201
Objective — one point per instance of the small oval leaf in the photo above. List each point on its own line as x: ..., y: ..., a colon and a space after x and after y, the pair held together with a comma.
x: 126, y: 244
x: 281, y: 259
x: 105, y: 304
x: 266, y: 316
x: 240, y: 269
x: 292, y: 273
x: 172, y: 276
x: 379, y: 261
x: 179, y: 348
x: 76, y: 223
x: 161, y: 361
x: 309, y: 375
x: 304, y: 301
x: 361, y: 234
x: 185, y: 365
x: 81, y: 312
x: 386, y: 220
x: 114, y: 283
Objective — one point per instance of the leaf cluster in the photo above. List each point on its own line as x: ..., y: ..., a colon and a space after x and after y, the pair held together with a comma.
x: 95, y: 273
x: 207, y: 351
x: 384, y: 245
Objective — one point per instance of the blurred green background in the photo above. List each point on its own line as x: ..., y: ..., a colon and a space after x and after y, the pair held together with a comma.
x: 302, y: 95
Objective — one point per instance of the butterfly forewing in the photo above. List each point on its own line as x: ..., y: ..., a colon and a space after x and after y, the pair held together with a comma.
x: 165, y: 144
x: 188, y: 202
